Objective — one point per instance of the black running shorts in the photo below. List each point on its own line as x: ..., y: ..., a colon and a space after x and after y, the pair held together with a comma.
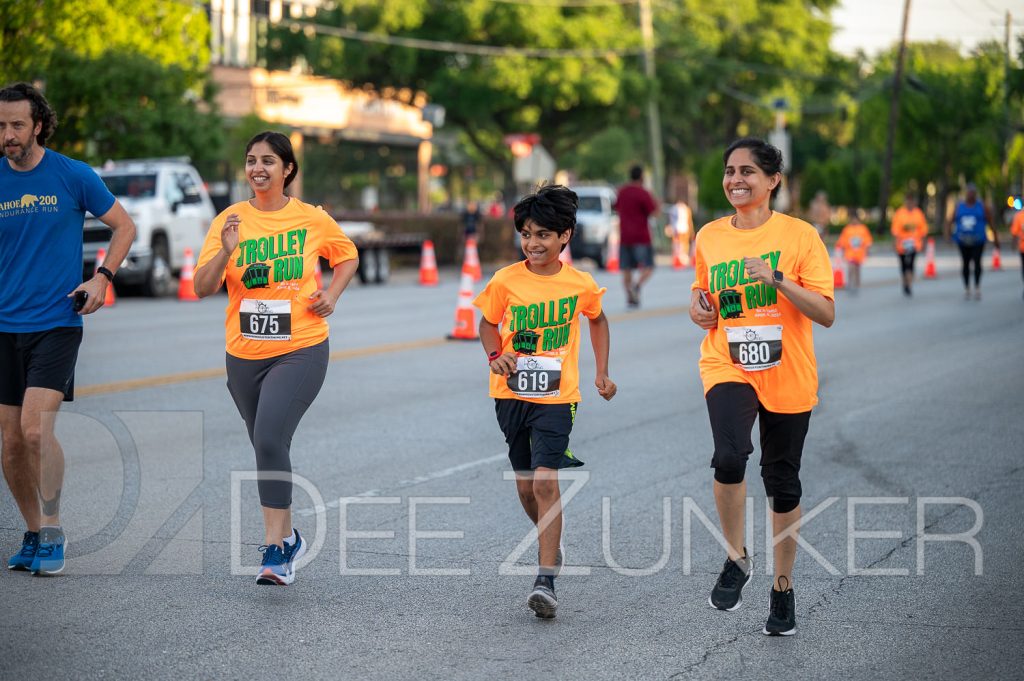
x: 537, y: 434
x: 39, y: 359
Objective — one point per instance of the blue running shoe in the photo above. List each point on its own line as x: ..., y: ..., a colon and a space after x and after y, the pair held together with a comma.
x: 279, y: 564
x: 49, y: 558
x: 274, y: 570
x: 294, y: 551
x: 22, y: 560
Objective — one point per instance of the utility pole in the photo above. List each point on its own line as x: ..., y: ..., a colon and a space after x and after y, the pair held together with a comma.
x: 1005, y: 150
x: 894, y: 112
x: 653, y: 116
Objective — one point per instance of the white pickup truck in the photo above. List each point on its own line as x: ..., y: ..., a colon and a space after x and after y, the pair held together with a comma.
x: 172, y: 211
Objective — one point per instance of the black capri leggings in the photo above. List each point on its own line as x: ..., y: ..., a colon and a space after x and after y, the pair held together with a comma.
x: 971, y: 254
x: 272, y: 395
x: 732, y: 408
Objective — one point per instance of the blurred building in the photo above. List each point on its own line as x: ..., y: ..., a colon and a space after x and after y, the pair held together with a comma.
x: 357, y: 150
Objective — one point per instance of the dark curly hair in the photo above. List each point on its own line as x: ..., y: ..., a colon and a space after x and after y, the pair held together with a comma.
x: 42, y: 112
x: 552, y: 206
x: 767, y: 157
x: 282, y: 146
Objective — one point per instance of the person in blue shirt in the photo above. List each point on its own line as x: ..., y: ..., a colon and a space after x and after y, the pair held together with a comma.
x: 969, y: 224
x: 43, y: 199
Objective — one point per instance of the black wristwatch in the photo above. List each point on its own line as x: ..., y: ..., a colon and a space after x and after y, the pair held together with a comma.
x: 105, y: 272
x: 777, y: 277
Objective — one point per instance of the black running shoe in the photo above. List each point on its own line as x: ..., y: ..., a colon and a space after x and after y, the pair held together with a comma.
x: 781, y: 613
x: 727, y: 594
x: 542, y: 599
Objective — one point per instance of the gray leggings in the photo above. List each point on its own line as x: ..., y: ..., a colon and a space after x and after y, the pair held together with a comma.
x: 272, y: 395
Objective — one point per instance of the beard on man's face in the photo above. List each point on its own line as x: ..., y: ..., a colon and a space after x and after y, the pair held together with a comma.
x: 17, y: 152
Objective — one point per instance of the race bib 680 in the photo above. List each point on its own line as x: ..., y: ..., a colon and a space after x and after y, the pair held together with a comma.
x: 755, y: 348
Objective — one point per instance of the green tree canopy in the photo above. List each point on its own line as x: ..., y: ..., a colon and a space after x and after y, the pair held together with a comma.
x: 127, y: 78
x: 168, y: 33
x: 566, y: 100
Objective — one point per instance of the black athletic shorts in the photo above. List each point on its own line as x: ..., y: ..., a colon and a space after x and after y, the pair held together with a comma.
x: 40, y: 359
x: 537, y: 434
x: 907, y: 261
x: 732, y: 408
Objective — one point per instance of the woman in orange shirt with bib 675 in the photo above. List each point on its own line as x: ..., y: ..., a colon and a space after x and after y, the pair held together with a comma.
x: 266, y: 250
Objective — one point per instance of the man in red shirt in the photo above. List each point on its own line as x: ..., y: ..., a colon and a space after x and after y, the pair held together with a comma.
x: 635, y: 206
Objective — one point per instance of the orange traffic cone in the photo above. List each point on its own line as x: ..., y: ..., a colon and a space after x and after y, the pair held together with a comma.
x: 678, y: 258
x: 428, y: 265
x: 465, y: 317
x: 110, y: 298
x: 997, y: 260
x: 318, y: 274
x: 611, y: 265
x: 566, y: 255
x: 838, y: 274
x: 472, y: 259
x: 186, y: 286
x: 929, y: 259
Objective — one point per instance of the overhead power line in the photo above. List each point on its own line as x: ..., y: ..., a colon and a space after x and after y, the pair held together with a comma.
x: 462, y: 48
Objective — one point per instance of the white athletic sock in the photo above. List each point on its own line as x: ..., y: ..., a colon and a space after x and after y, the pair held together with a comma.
x: 290, y: 539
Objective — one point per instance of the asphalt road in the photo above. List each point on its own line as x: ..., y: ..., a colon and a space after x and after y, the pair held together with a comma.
x: 918, y: 434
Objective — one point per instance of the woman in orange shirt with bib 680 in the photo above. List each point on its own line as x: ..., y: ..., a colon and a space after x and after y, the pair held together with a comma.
x: 266, y: 250
x: 762, y: 278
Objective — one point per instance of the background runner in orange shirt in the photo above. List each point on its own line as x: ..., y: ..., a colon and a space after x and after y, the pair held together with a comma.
x: 1017, y: 230
x: 855, y: 241
x: 909, y: 228
x: 762, y: 278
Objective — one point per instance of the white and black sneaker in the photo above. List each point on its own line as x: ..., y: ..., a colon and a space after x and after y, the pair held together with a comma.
x: 728, y: 592
x: 542, y: 599
x: 781, y: 612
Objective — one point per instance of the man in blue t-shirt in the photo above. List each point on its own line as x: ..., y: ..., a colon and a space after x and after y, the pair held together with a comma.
x: 43, y: 199
x: 969, y: 223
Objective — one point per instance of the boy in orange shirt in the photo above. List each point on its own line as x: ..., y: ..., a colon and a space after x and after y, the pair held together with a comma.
x: 530, y: 331
x: 855, y: 241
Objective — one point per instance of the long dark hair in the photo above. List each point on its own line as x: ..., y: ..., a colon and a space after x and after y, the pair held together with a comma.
x: 767, y: 157
x: 282, y: 146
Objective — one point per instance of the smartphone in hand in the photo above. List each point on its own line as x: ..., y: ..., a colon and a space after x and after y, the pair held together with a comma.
x: 704, y: 300
x: 79, y: 301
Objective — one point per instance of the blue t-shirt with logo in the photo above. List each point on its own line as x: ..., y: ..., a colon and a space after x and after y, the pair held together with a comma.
x: 970, y: 224
x: 42, y: 212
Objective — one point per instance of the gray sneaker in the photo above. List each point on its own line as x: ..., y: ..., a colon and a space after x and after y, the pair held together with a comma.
x: 542, y: 599
x: 728, y: 592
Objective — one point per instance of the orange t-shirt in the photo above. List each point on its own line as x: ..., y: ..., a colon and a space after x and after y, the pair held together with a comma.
x: 539, y: 320
x: 271, y: 275
x: 909, y: 227
x: 855, y: 240
x: 1017, y: 229
x: 762, y: 338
